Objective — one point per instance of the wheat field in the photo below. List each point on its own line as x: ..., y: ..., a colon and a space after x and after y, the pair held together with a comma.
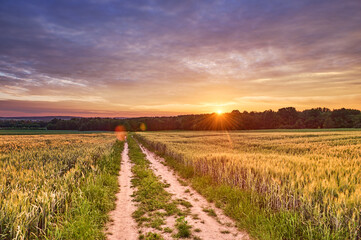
x: 315, y: 174
x: 40, y: 175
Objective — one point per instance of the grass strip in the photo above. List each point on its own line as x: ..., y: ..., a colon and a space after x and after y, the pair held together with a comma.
x: 154, y: 202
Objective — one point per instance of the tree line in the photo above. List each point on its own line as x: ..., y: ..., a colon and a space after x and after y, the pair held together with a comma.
x: 23, y: 124
x: 284, y: 118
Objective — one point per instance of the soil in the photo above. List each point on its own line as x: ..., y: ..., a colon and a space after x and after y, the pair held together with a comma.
x: 122, y: 225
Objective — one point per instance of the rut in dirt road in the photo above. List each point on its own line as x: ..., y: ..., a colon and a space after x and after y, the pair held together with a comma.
x: 209, y: 227
x: 122, y: 225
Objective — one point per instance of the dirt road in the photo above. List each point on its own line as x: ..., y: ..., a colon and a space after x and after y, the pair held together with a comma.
x: 207, y: 221
x: 122, y: 225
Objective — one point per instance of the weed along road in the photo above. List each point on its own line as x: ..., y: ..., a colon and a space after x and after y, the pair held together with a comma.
x: 153, y: 203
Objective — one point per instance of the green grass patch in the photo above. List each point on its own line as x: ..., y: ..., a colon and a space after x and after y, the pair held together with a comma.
x: 151, y: 236
x: 210, y: 212
x: 167, y: 230
x: 184, y: 229
x: 154, y: 202
x: 184, y: 203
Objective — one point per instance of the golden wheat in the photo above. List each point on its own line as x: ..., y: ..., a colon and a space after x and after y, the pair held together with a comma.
x: 315, y: 173
x: 38, y: 174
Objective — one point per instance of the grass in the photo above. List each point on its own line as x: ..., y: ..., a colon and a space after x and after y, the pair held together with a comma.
x: 210, y: 212
x: 154, y: 202
x: 167, y: 230
x: 151, y: 236
x: 277, y: 185
x: 183, y: 228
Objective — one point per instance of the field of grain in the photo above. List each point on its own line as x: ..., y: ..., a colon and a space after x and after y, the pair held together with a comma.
x: 313, y: 175
x: 43, y: 178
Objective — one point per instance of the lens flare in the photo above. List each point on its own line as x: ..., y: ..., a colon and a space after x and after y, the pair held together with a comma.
x: 120, y: 133
x: 143, y: 127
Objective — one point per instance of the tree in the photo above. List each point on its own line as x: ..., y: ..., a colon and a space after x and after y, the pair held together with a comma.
x: 288, y: 117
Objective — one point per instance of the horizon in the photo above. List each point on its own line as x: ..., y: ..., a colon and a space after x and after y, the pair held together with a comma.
x: 94, y: 58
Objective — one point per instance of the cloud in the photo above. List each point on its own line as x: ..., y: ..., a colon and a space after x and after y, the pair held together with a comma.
x: 168, y: 53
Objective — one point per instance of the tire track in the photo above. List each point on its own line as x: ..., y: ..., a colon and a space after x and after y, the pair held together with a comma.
x: 122, y: 225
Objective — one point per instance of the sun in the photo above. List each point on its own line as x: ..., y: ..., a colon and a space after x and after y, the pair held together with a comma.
x: 219, y: 112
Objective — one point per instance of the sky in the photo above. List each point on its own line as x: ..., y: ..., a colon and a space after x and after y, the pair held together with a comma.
x: 157, y: 58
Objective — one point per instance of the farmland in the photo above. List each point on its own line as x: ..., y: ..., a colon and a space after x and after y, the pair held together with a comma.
x: 57, y: 186
x: 293, y: 185
x: 284, y: 184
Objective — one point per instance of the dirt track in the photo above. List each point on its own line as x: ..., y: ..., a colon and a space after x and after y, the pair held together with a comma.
x: 204, y: 226
x: 122, y: 225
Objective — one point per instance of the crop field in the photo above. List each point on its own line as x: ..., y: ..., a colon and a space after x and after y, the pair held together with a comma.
x: 277, y: 185
x: 273, y: 184
x: 57, y: 186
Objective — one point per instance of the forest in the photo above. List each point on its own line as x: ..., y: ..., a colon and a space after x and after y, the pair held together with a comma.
x: 284, y: 118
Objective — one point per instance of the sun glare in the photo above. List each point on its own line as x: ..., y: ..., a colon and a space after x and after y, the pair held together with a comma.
x: 219, y: 112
